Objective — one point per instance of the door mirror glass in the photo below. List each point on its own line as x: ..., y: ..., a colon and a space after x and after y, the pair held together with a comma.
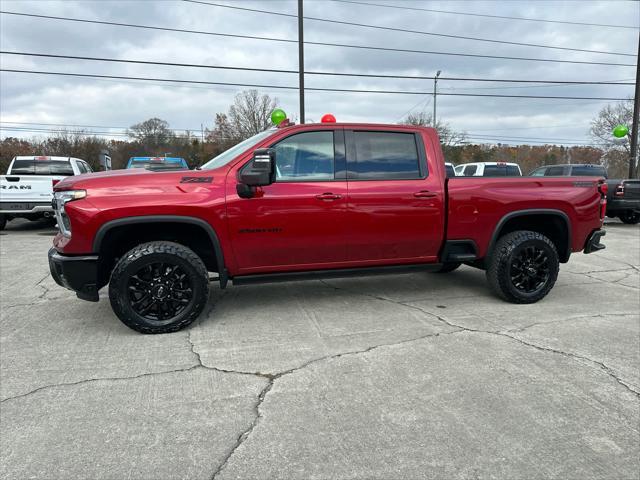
x: 260, y: 171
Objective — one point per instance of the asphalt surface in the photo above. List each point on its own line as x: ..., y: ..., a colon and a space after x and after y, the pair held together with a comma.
x: 403, y: 376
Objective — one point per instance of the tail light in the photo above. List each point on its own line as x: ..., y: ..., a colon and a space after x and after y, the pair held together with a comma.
x: 603, y: 189
x: 620, y: 190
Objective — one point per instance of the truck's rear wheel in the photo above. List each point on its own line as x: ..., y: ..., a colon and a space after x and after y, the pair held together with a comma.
x: 523, y: 267
x: 159, y: 287
x: 3, y: 221
x: 630, y: 217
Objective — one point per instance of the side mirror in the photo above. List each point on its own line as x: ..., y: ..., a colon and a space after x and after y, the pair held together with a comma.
x: 260, y: 171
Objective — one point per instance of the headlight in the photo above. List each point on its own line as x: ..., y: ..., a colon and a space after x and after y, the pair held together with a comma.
x: 60, y: 199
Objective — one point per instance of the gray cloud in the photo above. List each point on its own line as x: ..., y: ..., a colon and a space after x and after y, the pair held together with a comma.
x: 30, y: 98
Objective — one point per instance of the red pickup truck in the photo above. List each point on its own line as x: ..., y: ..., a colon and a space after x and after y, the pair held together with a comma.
x: 311, y: 201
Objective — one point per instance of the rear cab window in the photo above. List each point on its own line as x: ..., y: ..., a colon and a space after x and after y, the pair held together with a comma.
x: 385, y: 155
x: 501, y: 171
x: 41, y: 167
x: 554, y: 172
x: 470, y: 170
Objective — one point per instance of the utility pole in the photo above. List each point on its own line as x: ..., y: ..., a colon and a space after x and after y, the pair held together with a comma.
x: 301, y: 58
x: 435, y: 86
x: 636, y: 114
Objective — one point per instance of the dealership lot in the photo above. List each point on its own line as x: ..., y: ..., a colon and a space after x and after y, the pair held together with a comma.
x: 401, y: 376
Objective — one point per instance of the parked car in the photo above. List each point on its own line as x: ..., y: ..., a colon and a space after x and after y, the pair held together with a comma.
x: 623, y: 197
x: 26, y: 190
x: 158, y: 163
x: 449, y: 169
x: 488, y: 169
x: 570, y: 170
x: 623, y: 200
x: 312, y: 201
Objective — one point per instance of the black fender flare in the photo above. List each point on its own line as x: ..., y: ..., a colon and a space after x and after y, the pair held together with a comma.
x: 527, y: 212
x: 102, y: 231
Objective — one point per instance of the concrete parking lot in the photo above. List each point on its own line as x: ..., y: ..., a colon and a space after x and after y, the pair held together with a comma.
x: 404, y: 376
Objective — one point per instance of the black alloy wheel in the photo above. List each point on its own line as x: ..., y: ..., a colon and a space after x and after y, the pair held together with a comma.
x: 530, y: 269
x: 159, y: 287
x: 159, y: 291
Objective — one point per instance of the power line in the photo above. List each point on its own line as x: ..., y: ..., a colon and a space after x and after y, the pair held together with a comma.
x: 503, y: 17
x: 323, y: 44
x: 91, y: 126
x: 405, y: 30
x: 341, y: 74
x: 122, y: 134
x: 317, y: 89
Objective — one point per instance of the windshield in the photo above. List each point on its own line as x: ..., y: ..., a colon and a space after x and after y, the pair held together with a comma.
x: 228, y: 155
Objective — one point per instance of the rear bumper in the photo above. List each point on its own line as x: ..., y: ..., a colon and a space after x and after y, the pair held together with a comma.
x: 620, y: 204
x: 21, y: 208
x: 593, y: 242
x: 79, y: 274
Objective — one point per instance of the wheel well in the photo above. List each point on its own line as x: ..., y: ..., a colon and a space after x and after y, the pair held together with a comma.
x: 552, y: 226
x: 118, y: 240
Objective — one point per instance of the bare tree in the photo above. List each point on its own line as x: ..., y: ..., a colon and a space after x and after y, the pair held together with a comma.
x: 448, y: 136
x: 152, y: 133
x: 620, y: 113
x: 616, y: 151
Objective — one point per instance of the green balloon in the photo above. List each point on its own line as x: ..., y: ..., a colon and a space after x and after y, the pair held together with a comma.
x: 620, y: 131
x: 278, y: 116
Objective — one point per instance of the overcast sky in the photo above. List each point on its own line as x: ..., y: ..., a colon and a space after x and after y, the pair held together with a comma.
x: 47, y: 99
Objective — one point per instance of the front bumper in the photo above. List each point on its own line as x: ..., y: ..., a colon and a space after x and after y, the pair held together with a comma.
x: 79, y: 274
x: 593, y: 242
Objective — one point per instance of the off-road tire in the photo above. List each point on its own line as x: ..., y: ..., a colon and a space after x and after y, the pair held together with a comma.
x: 3, y: 221
x: 630, y: 217
x: 151, y: 253
x: 506, y: 252
x: 448, y: 267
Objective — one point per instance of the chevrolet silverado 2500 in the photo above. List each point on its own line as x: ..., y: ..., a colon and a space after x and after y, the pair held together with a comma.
x: 312, y: 201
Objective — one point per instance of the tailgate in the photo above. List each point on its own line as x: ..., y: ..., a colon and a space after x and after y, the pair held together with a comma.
x: 26, y: 188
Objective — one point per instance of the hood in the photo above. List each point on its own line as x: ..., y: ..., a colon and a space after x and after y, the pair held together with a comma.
x: 122, y: 176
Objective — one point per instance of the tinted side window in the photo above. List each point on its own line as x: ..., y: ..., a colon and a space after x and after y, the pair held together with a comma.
x: 513, y: 171
x: 539, y: 172
x: 450, y: 171
x: 82, y: 167
x: 554, y: 172
x: 385, y: 156
x: 470, y: 170
x: 588, y: 171
x: 305, y: 157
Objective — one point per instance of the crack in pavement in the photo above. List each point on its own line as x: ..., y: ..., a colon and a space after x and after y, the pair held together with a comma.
x: 578, y: 317
x: 601, y: 366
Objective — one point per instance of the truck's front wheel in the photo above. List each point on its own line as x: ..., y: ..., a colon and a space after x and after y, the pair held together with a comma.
x: 523, y: 267
x: 159, y: 287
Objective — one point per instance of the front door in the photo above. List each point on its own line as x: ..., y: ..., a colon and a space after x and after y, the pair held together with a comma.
x: 396, y: 205
x: 299, y: 221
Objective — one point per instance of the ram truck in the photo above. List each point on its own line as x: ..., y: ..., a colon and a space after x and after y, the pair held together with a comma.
x: 26, y: 190
x: 312, y: 201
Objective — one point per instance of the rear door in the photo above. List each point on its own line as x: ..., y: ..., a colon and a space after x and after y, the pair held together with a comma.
x: 299, y: 221
x: 395, y: 204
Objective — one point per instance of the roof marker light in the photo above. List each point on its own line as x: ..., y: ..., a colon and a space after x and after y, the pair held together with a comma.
x: 328, y: 118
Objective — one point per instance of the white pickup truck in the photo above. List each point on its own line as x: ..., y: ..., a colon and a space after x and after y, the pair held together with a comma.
x: 26, y: 190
